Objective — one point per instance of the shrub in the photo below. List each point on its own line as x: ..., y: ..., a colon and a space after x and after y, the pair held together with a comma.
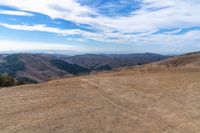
x: 6, y: 81
x: 20, y: 83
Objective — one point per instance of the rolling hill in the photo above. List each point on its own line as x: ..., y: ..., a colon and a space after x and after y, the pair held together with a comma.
x: 127, y: 101
x: 190, y: 60
x: 37, y: 68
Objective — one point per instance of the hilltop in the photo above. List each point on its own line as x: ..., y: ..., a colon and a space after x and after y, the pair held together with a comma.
x: 126, y: 101
x: 190, y: 60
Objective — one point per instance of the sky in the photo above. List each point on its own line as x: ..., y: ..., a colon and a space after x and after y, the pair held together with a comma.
x: 100, y: 26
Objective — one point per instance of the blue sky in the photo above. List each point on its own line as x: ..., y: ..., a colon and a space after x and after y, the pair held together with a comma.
x: 100, y: 26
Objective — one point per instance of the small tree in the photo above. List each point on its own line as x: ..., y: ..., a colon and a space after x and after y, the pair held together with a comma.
x: 6, y: 81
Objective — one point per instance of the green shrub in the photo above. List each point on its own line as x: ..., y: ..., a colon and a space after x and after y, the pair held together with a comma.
x: 20, y: 83
x: 6, y: 81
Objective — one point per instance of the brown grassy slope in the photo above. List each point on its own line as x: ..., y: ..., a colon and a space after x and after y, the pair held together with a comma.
x: 191, y: 60
x: 128, y: 101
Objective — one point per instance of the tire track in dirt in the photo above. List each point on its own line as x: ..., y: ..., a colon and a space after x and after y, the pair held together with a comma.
x: 134, y: 114
x: 110, y: 100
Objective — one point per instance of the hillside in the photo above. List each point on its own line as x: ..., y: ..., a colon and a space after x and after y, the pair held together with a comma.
x: 34, y: 68
x: 38, y: 68
x: 190, y: 60
x: 126, y: 101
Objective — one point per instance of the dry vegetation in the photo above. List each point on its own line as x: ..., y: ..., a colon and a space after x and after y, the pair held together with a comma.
x: 128, y: 101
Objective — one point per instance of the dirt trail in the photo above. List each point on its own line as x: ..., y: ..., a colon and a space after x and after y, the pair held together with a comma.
x: 109, y: 99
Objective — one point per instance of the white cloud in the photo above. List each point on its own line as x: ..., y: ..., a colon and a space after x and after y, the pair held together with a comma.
x: 16, y: 13
x: 42, y: 28
x: 153, y: 16
x: 52, y: 8
x: 166, y: 38
x: 6, y: 45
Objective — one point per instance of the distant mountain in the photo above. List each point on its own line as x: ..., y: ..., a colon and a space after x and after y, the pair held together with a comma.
x: 50, y: 52
x: 34, y: 68
x: 71, y: 68
x: 93, y: 61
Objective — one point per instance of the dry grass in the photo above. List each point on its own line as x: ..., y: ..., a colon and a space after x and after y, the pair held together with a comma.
x: 128, y: 101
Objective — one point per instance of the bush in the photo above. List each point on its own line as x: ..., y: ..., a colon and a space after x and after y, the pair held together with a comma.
x: 7, y: 81
x: 19, y: 83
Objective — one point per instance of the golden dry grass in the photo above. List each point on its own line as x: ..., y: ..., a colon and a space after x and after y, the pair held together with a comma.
x: 128, y: 101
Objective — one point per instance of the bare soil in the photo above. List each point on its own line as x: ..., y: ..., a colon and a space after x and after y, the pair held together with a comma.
x: 127, y: 101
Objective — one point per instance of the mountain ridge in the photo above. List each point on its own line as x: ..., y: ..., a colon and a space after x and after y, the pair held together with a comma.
x: 45, y: 67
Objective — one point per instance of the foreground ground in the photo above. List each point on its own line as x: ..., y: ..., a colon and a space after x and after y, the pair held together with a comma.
x: 128, y: 101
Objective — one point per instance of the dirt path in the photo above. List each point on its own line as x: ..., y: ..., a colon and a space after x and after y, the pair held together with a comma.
x: 109, y: 99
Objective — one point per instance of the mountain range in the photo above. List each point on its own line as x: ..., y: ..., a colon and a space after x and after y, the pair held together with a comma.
x: 36, y: 68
